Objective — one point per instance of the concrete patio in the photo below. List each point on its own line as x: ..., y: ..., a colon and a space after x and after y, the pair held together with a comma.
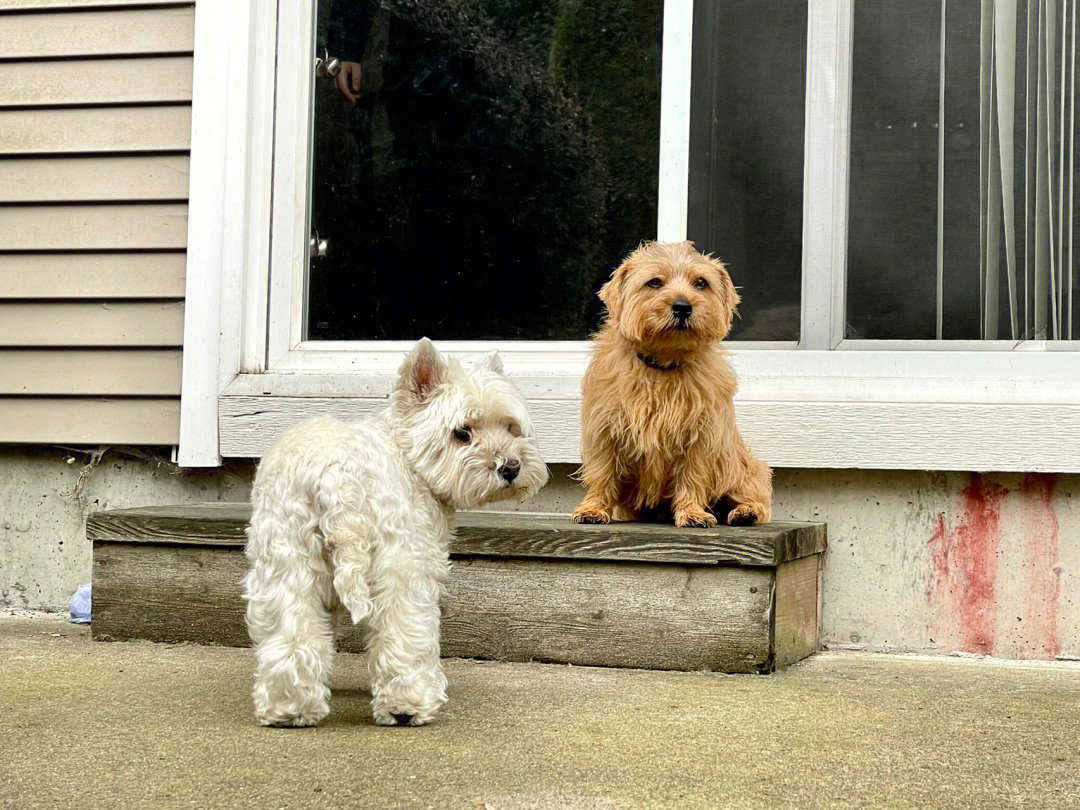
x: 96, y: 725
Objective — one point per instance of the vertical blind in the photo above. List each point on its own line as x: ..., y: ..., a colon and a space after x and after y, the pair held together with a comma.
x: 1033, y: 248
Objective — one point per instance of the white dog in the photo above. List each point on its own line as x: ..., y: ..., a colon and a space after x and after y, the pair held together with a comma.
x: 356, y: 516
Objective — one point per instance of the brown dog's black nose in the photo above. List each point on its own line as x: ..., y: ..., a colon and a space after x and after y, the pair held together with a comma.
x: 681, y: 309
x: 510, y: 469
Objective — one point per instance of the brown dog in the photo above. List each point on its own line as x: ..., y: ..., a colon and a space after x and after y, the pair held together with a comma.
x: 658, y: 424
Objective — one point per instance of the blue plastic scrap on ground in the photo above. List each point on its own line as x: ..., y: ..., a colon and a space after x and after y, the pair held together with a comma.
x: 80, y: 605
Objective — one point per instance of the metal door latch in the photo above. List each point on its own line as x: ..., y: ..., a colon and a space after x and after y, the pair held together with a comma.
x: 327, y: 65
x: 318, y: 248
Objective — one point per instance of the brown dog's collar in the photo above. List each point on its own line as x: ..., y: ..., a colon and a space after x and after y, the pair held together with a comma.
x: 652, y: 362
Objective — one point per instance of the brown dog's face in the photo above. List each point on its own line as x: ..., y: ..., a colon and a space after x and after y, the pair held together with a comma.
x: 670, y: 296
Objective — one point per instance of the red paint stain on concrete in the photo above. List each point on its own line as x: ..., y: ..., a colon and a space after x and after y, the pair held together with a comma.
x: 961, y: 589
x: 1042, y: 586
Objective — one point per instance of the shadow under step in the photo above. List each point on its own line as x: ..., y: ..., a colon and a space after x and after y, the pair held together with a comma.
x: 523, y: 587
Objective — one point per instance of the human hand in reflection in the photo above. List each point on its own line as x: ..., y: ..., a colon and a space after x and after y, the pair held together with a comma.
x: 348, y: 81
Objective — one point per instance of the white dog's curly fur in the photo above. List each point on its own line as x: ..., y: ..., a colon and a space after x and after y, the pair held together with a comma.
x: 356, y: 516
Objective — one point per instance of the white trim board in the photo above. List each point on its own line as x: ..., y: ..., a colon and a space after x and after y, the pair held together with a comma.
x: 229, y: 213
x: 972, y: 410
x: 889, y: 435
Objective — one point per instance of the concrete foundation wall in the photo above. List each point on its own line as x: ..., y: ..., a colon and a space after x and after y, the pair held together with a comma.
x: 918, y: 561
x: 46, y: 493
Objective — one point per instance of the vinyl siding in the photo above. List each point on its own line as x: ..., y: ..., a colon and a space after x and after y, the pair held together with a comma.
x: 95, y: 126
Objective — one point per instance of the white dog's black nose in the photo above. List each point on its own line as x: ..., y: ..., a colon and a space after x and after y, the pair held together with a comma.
x: 681, y: 309
x: 402, y: 719
x: 510, y: 469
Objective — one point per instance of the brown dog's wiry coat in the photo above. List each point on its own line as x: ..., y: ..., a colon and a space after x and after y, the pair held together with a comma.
x: 658, y: 423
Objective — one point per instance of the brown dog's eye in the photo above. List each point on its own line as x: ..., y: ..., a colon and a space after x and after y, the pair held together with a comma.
x: 463, y: 434
x: 701, y: 284
x: 655, y: 283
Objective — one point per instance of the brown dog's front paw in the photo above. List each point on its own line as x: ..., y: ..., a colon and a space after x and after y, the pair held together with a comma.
x: 694, y: 518
x: 591, y: 514
x: 742, y: 515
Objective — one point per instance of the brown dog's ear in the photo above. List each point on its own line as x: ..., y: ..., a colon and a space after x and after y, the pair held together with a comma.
x: 611, y: 293
x: 727, y: 291
x: 727, y: 288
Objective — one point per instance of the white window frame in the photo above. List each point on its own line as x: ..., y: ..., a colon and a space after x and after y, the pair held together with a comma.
x: 826, y: 402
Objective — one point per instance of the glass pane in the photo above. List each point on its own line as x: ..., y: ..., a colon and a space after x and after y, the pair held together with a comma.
x: 747, y: 119
x: 962, y: 181
x: 499, y: 161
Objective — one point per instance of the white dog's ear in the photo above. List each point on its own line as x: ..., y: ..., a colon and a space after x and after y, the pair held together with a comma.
x: 492, y: 362
x: 423, y: 369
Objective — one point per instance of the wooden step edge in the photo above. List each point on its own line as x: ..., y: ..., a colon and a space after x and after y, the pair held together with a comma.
x: 530, y: 535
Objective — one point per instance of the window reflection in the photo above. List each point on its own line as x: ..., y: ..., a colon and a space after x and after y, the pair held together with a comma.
x: 499, y: 159
x: 747, y: 118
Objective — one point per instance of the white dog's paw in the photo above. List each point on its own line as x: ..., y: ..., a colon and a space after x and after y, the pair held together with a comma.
x: 385, y: 718
x: 410, y: 700
x: 309, y: 717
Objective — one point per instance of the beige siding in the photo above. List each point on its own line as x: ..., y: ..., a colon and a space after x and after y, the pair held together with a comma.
x: 94, y: 179
x: 96, y: 81
x: 143, y: 226
x: 90, y: 372
x: 92, y: 32
x: 92, y: 275
x: 84, y: 420
x: 69, y: 5
x: 96, y: 323
x: 95, y: 130
x: 95, y: 125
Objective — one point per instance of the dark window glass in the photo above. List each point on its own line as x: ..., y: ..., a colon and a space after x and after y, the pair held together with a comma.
x: 499, y: 161
x: 747, y: 119
x: 892, y: 225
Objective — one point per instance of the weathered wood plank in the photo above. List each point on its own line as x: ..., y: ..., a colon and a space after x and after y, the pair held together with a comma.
x: 93, y: 275
x: 96, y: 130
x: 122, y: 323
x: 249, y: 425
x: 606, y: 614
x: 212, y: 524
x: 85, y: 420
x: 503, y: 534
x: 91, y: 372
x: 131, y: 80
x: 97, y: 33
x: 544, y: 536
x: 168, y: 594
x: 95, y: 227
x: 795, y: 613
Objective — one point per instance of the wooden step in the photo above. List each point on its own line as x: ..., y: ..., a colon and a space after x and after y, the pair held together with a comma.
x: 523, y: 587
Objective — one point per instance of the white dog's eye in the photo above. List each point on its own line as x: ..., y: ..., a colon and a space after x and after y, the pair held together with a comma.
x: 655, y: 283
x: 463, y: 434
x: 702, y: 284
x: 514, y: 428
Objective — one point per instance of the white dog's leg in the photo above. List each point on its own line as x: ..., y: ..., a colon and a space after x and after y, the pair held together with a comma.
x: 348, y: 536
x: 292, y: 664
x: 407, y: 681
x: 288, y: 593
